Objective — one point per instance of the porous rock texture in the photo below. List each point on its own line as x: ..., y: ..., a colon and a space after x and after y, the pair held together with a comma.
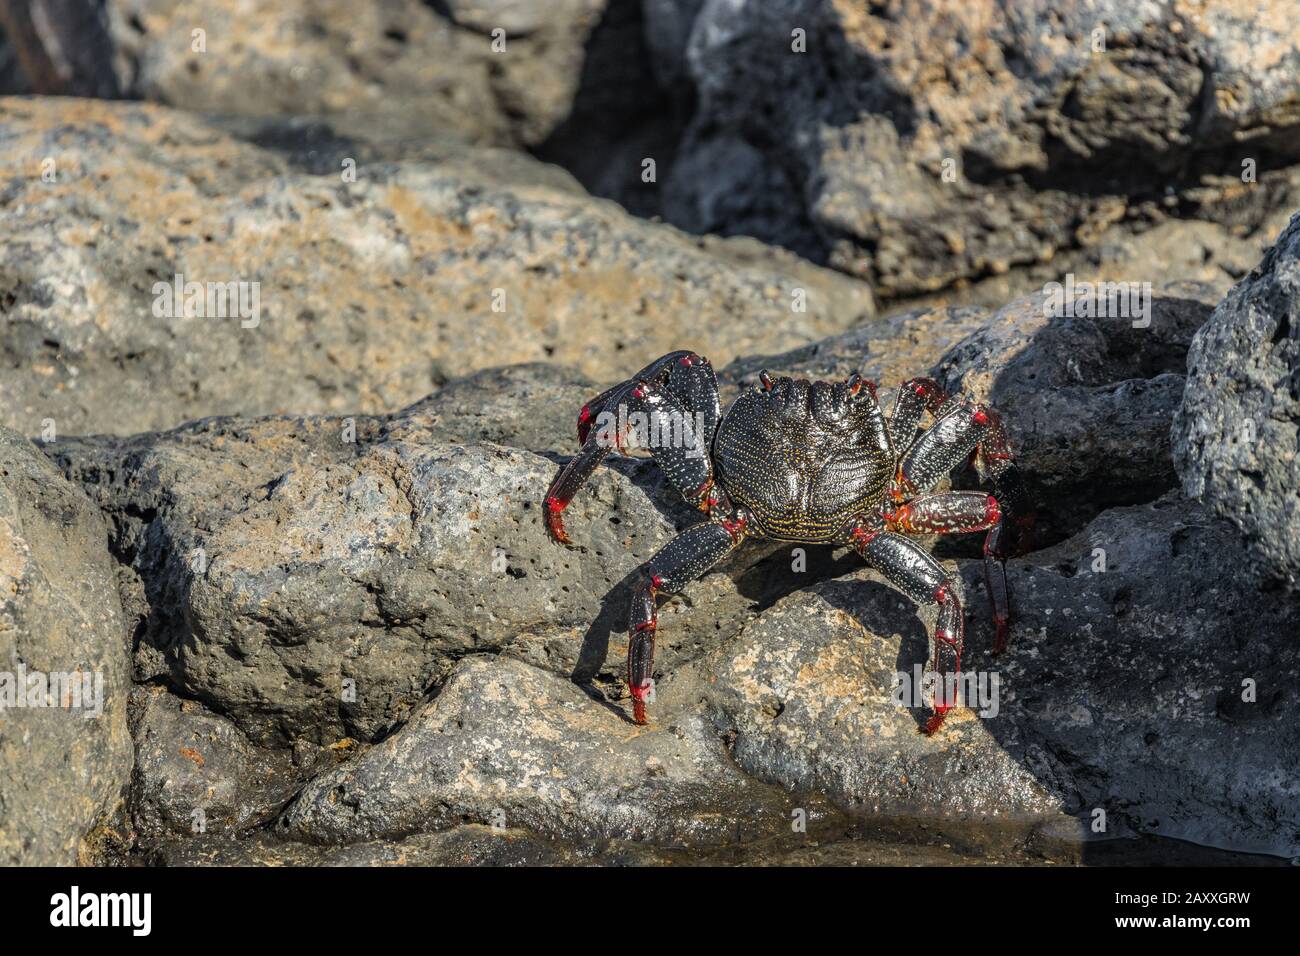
x: 923, y: 143
x: 65, y: 753
x: 1237, y: 433
x: 370, y: 292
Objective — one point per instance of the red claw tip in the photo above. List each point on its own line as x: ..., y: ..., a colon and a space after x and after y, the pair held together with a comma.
x: 554, y: 523
x: 981, y: 417
x: 932, y: 725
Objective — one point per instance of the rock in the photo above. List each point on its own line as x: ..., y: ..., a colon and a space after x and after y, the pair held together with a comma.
x: 373, y: 292
x: 806, y: 691
x: 533, y: 406
x: 1237, y: 432
x: 196, y: 773
x: 1122, y: 689
x: 65, y: 754
x: 506, y: 742
x: 431, y: 67
x: 1087, y: 400
x: 276, y: 560
x: 888, y: 351
x: 921, y: 144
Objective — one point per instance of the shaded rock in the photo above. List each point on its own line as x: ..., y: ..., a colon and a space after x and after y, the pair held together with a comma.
x: 922, y: 143
x: 196, y: 773
x: 373, y: 292
x: 1236, y: 437
x: 65, y: 754
x: 507, y: 742
x: 1121, y: 690
x: 429, y: 66
x: 1087, y: 400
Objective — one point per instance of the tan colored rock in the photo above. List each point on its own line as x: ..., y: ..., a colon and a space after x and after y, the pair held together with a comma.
x: 369, y: 293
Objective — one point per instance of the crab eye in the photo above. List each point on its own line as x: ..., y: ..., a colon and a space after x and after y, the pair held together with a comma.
x: 766, y: 379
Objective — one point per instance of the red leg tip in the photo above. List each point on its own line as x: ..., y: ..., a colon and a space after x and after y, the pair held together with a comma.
x: 638, y: 703
x: 935, y: 722
x: 554, y: 523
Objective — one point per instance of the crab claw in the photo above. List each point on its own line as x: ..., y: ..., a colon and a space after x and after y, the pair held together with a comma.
x: 554, y: 522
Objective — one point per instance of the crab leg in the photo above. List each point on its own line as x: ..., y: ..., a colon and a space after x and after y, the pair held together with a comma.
x: 915, y: 397
x: 681, y: 561
x: 682, y: 391
x: 961, y: 430
x: 913, y: 571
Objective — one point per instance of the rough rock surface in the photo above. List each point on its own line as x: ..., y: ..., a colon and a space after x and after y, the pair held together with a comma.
x: 277, y: 560
x: 196, y: 773
x: 919, y: 143
x: 370, y: 293
x: 65, y: 754
x: 1087, y: 400
x: 1237, y: 434
x: 1121, y: 690
x: 506, y: 742
x: 430, y: 66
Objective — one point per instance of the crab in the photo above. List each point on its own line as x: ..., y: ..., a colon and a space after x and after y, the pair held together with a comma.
x: 813, y: 463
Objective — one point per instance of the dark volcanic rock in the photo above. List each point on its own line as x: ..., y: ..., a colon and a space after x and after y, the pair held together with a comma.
x: 1087, y: 400
x: 1122, y: 690
x: 921, y: 143
x: 196, y: 773
x: 65, y: 755
x: 1237, y: 435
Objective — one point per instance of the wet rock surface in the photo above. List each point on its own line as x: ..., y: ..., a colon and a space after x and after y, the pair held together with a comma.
x: 1237, y: 433
x: 65, y: 753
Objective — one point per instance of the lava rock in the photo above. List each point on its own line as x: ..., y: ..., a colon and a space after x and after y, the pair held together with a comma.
x: 1087, y: 400
x: 65, y: 753
x: 1236, y: 437
x: 1138, y: 681
x: 196, y: 773
x: 507, y: 743
x: 373, y: 291
x: 303, y: 584
x: 921, y: 143
x: 430, y: 67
